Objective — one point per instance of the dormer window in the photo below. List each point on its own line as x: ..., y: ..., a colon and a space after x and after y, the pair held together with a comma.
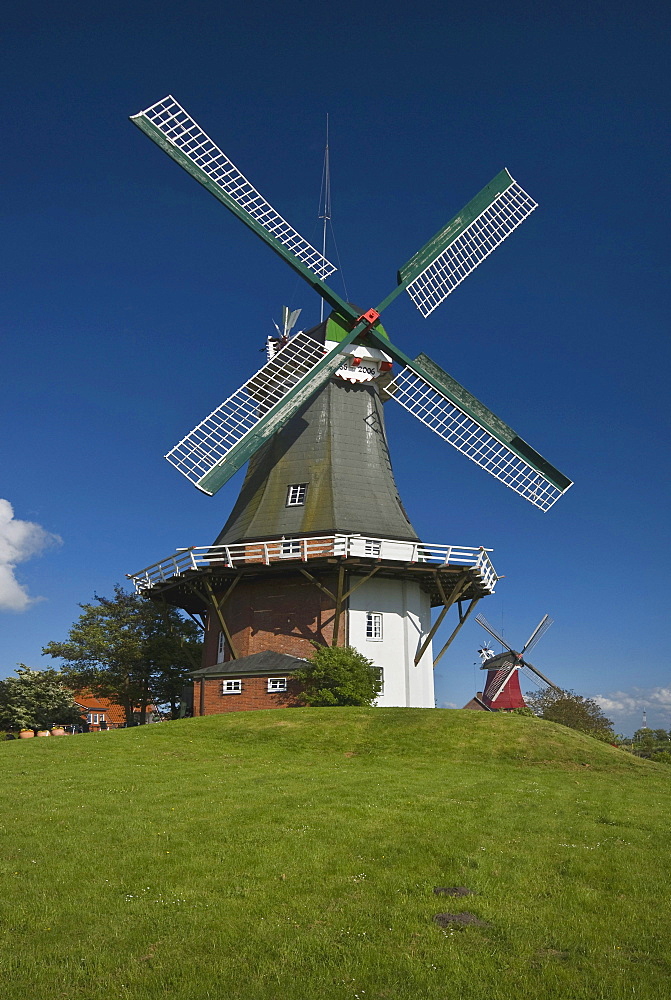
x: 296, y: 494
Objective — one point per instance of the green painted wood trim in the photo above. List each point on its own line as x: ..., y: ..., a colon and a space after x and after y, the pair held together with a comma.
x: 454, y: 228
x: 337, y: 328
x: 277, y: 416
x: 155, y: 134
x: 461, y: 397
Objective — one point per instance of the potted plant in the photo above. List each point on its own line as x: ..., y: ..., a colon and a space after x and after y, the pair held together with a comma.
x: 26, y: 734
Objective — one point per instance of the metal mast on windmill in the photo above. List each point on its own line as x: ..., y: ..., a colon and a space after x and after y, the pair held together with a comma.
x: 318, y: 546
x: 325, y: 205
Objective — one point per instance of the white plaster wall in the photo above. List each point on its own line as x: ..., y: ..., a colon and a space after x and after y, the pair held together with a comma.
x: 406, y: 621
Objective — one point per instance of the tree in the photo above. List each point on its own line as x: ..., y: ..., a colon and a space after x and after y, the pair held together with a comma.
x: 651, y: 744
x: 339, y: 675
x: 37, y: 699
x: 572, y: 710
x: 130, y: 649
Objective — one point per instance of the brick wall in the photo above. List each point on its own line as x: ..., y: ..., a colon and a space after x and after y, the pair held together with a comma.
x: 280, y: 613
x: 254, y: 695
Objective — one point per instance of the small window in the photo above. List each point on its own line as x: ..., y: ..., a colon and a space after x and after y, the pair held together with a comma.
x: 277, y: 684
x: 372, y: 547
x: 290, y: 547
x: 380, y: 674
x: 95, y: 718
x: 231, y: 687
x: 221, y: 647
x: 374, y: 626
x: 296, y: 494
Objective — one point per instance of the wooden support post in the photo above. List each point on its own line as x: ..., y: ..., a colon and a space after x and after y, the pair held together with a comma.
x: 217, y: 608
x: 183, y: 644
x: 317, y: 584
x: 360, y: 583
x: 461, y: 584
x: 462, y: 619
x: 196, y: 621
x: 338, y: 607
x: 329, y: 593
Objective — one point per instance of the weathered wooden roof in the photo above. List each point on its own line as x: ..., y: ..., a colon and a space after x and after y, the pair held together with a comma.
x: 337, y: 445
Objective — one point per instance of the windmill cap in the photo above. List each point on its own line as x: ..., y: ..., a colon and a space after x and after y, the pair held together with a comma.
x: 337, y: 328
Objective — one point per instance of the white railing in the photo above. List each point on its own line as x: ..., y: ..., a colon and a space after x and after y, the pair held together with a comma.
x: 304, y: 549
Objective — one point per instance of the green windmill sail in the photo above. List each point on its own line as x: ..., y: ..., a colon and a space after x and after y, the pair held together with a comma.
x: 243, y: 424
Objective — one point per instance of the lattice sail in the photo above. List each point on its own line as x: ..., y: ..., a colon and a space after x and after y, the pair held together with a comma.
x: 467, y: 435
x: 211, y: 441
x: 468, y: 247
x: 540, y: 630
x: 182, y: 132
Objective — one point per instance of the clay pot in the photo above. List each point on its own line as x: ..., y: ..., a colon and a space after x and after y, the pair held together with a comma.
x: 26, y: 734
x: 58, y: 731
x: 43, y: 732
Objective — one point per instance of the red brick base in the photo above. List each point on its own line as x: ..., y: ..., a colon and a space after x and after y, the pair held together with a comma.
x: 254, y: 695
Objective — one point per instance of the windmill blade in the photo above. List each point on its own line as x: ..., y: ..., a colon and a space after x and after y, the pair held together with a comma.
x: 289, y: 319
x: 484, y: 223
x: 536, y: 671
x: 447, y: 408
x: 231, y: 434
x: 481, y: 620
x: 540, y: 630
x: 178, y: 135
x: 172, y: 128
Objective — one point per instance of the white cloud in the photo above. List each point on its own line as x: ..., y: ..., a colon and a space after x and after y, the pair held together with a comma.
x: 619, y: 703
x: 19, y: 540
x: 623, y: 702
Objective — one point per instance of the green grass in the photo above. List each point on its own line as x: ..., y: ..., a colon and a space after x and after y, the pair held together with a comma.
x: 294, y: 853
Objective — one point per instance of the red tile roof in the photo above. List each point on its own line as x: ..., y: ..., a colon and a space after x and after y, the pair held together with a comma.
x: 114, y: 713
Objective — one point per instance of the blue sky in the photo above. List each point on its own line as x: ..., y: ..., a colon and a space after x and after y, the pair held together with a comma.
x: 133, y: 303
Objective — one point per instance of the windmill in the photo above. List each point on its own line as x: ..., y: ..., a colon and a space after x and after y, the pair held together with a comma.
x: 310, y: 425
x: 275, y: 344
x: 502, y: 689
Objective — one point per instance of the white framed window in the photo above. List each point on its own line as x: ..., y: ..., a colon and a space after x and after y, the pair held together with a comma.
x: 95, y: 718
x: 221, y: 647
x: 296, y: 494
x: 290, y: 548
x: 372, y: 547
x: 380, y: 673
x: 231, y: 687
x: 277, y: 684
x: 374, y: 626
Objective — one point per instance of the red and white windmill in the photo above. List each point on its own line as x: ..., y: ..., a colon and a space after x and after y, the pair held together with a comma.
x: 502, y: 691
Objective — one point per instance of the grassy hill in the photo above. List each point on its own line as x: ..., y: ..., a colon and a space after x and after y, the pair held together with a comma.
x: 295, y: 853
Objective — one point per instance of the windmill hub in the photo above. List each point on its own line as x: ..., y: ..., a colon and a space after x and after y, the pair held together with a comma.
x: 362, y: 364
